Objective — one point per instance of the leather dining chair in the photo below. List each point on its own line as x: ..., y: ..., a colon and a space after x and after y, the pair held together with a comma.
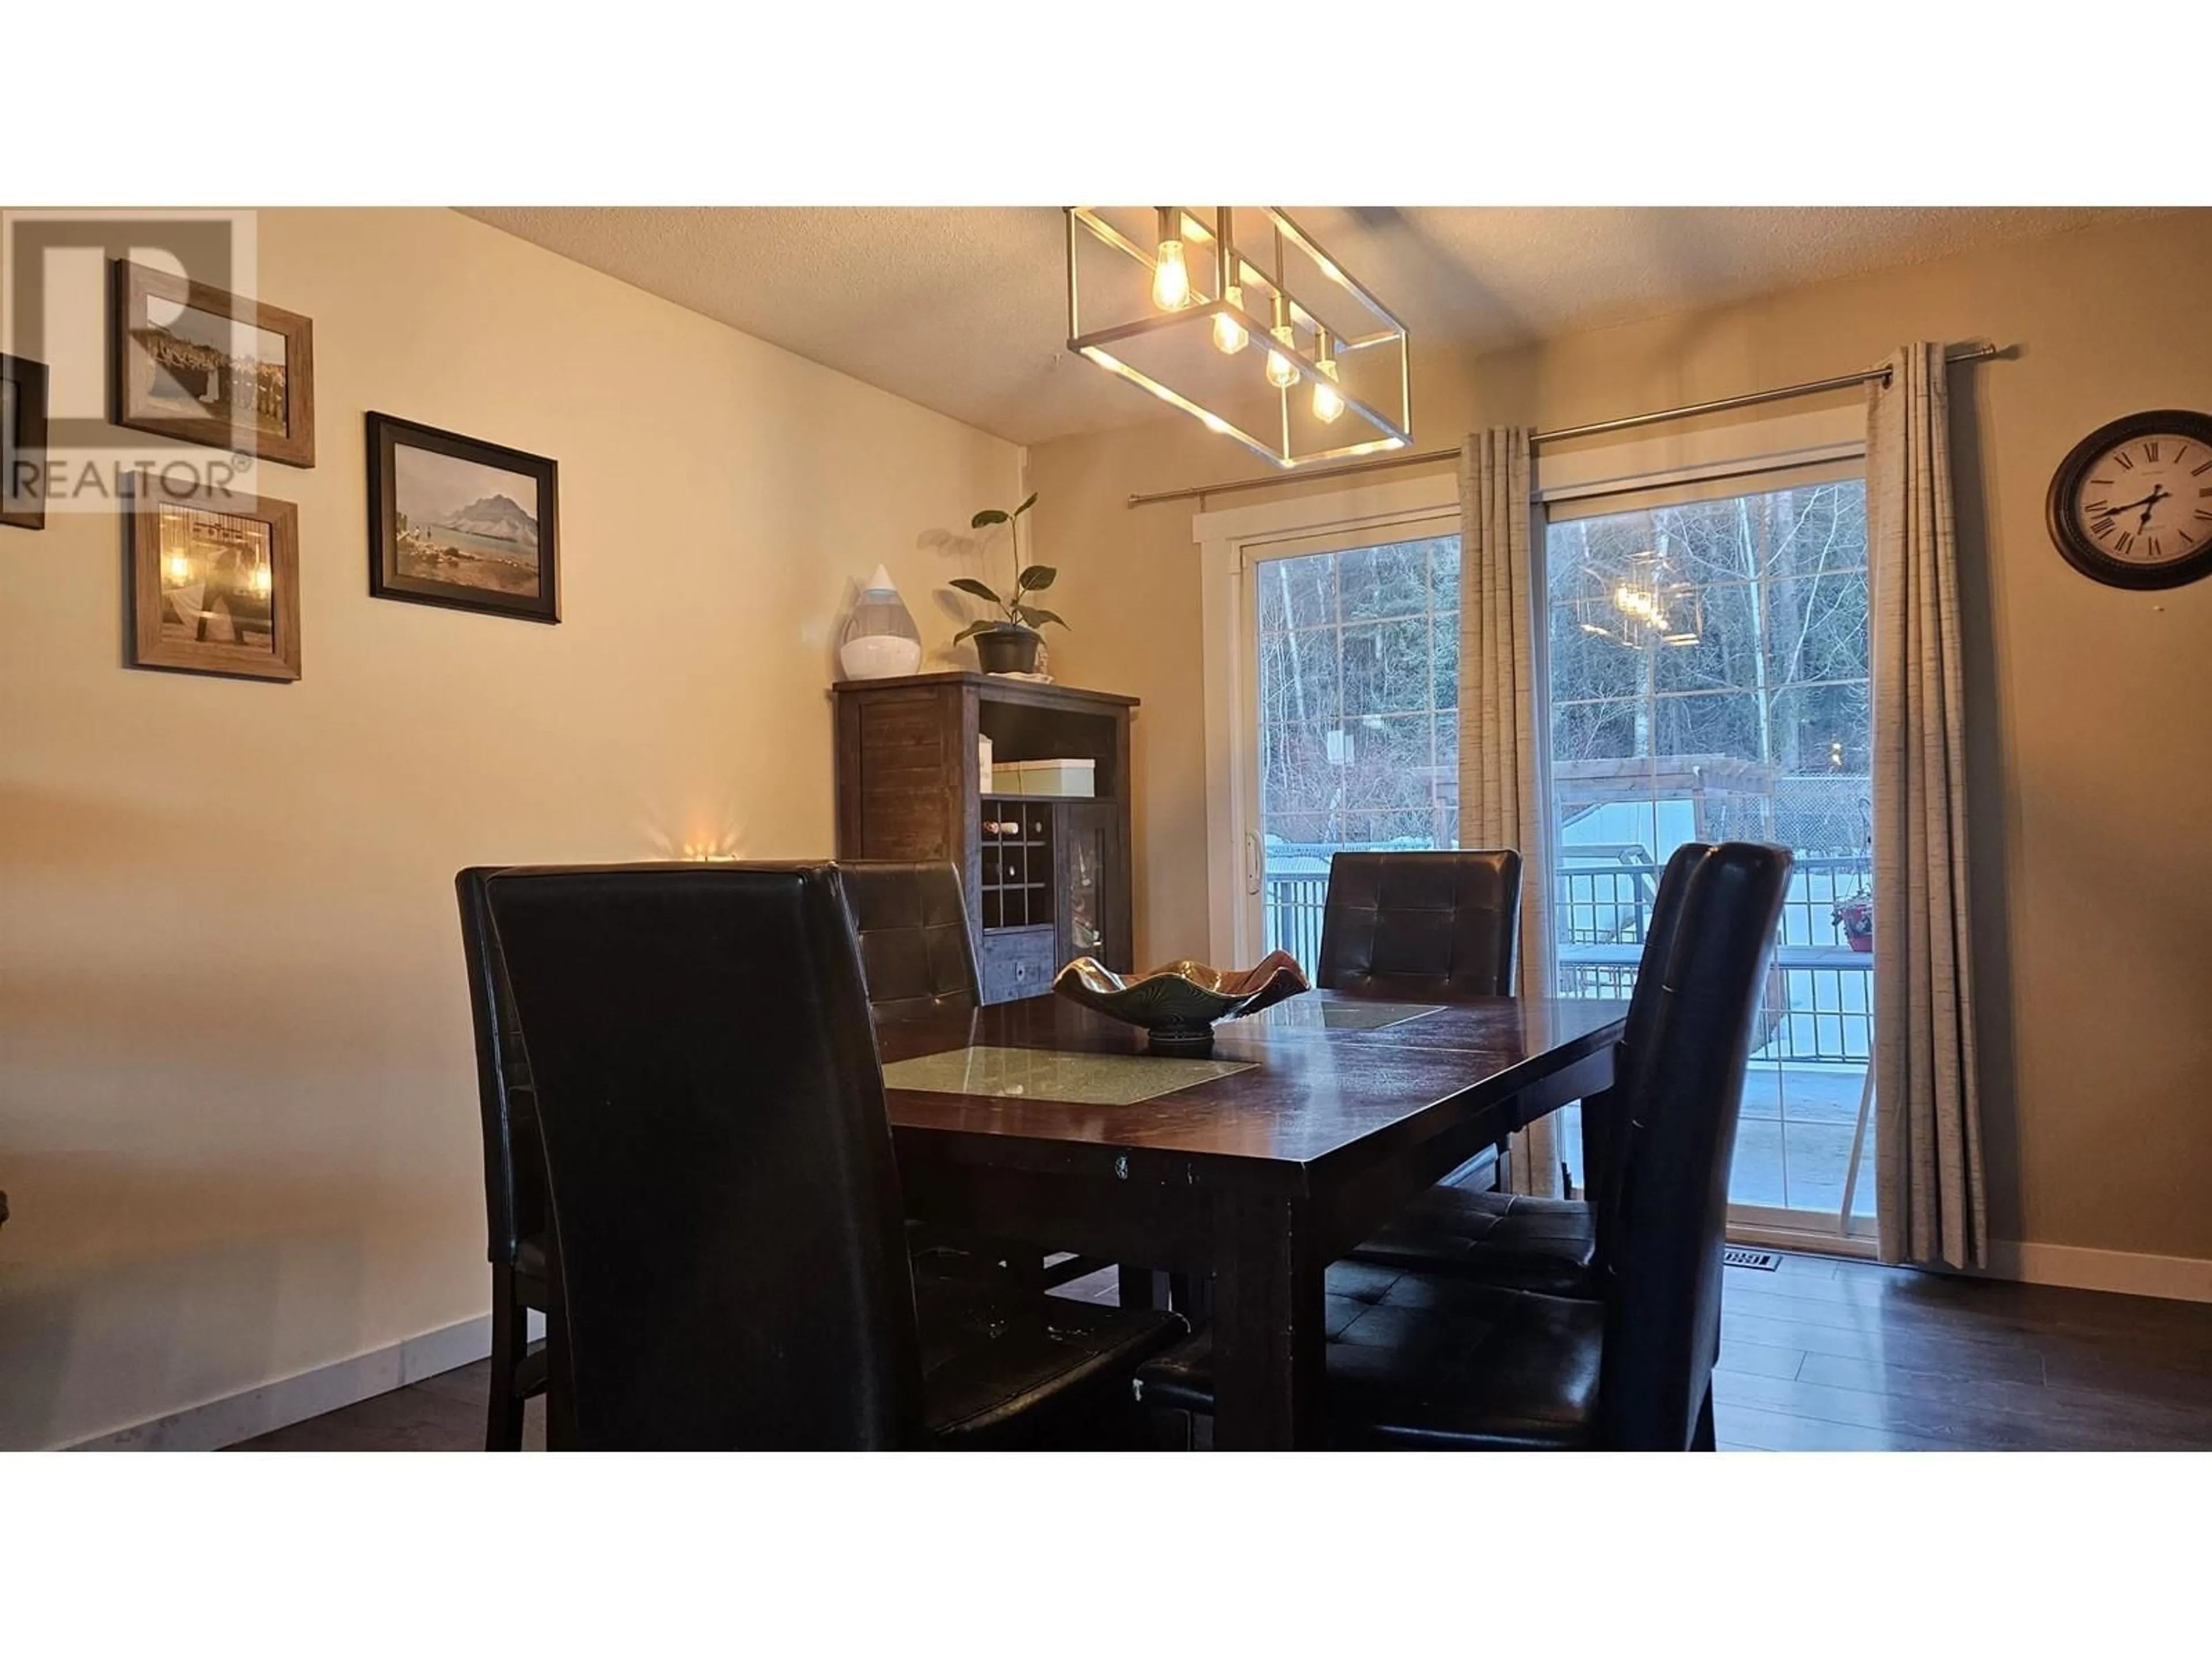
x: 1435, y: 1362
x: 1425, y: 926
x: 917, y: 958
x: 729, y: 1267
x: 1556, y: 1245
x: 917, y: 955
x: 514, y: 1172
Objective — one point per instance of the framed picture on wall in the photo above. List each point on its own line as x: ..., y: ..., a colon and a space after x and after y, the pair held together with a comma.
x: 197, y: 363
x: 459, y: 522
x: 214, y: 582
x: 22, y: 443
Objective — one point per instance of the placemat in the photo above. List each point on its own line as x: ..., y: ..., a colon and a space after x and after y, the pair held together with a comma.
x: 1308, y: 1013
x: 1048, y: 1074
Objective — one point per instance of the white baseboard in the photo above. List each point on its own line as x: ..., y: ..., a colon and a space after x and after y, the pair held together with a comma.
x: 2175, y: 1277
x: 277, y: 1405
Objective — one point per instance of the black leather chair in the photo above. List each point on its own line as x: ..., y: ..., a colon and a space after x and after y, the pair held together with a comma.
x: 918, y: 958
x: 1425, y: 926
x: 1555, y: 1245
x: 515, y: 1173
x: 729, y: 1267
x: 1430, y: 1361
x: 917, y: 955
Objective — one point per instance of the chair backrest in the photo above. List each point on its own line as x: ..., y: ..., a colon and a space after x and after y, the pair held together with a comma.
x: 916, y: 954
x: 1678, y: 1128
x: 1601, y: 1117
x: 514, y: 1169
x: 1421, y: 925
x: 730, y: 1260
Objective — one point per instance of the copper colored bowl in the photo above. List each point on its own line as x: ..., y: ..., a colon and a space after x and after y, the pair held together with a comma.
x: 1179, y: 1003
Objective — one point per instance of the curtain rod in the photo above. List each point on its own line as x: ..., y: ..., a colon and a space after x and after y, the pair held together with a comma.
x: 1803, y: 389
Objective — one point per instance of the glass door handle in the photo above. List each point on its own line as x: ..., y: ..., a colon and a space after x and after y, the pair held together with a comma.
x: 1251, y: 862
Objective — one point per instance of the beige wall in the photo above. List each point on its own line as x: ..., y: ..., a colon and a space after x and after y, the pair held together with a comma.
x: 237, y: 1102
x: 2091, y: 761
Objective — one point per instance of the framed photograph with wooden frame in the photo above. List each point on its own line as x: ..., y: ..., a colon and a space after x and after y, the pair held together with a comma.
x: 22, y: 443
x: 461, y: 523
x: 214, y: 582
x: 196, y: 363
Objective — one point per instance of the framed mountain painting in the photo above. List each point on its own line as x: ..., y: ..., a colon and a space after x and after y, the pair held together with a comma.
x: 461, y: 523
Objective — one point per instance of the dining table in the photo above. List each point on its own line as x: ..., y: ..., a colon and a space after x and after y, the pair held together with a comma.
x: 1308, y: 1126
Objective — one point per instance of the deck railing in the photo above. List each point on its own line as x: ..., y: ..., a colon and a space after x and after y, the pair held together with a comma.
x: 1294, y: 900
x: 1819, y: 996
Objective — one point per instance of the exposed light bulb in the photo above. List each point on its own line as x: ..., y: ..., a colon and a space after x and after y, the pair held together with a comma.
x: 180, y: 569
x: 1281, y: 371
x: 1328, y: 401
x: 1230, y: 336
x: 1170, y: 276
x: 1171, y: 279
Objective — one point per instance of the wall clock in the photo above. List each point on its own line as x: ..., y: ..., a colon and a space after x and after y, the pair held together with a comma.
x: 2131, y: 504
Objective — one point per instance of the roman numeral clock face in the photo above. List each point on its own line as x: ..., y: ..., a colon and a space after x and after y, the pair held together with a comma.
x: 2132, y: 505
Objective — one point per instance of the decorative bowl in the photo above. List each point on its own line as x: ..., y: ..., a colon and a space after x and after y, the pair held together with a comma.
x: 1179, y: 1003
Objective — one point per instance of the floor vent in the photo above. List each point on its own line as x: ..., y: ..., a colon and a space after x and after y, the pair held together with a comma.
x: 1735, y: 1255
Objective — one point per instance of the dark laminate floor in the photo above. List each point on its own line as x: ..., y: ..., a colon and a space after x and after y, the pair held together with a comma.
x: 1821, y: 1355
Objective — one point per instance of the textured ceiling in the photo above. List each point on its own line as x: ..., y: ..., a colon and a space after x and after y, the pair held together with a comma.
x: 964, y: 310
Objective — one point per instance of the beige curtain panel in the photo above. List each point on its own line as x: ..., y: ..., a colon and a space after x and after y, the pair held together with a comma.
x: 1500, y: 798
x: 1930, y: 1188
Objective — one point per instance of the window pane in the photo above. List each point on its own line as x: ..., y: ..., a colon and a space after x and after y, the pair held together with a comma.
x: 1588, y: 661
x: 1443, y: 572
x: 1608, y: 730
x: 1386, y: 666
x: 1818, y: 630
x: 1724, y: 724
x: 1384, y: 582
x: 1813, y: 530
x: 1298, y: 676
x: 1823, y: 730
x: 1711, y: 639
x: 1297, y: 592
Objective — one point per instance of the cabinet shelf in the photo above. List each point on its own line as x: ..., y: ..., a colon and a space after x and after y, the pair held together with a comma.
x: 1047, y: 876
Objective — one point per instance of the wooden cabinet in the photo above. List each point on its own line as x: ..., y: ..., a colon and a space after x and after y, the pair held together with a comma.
x: 1047, y: 878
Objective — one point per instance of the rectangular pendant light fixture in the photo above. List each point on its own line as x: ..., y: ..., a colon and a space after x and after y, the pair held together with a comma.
x: 1237, y: 318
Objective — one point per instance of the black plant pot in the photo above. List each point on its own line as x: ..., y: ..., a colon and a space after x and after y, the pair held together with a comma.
x: 1009, y: 648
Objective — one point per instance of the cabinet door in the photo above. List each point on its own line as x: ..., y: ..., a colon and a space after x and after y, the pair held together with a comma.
x: 1091, y: 871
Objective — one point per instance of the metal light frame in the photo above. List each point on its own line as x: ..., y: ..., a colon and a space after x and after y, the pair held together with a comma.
x: 1389, y: 334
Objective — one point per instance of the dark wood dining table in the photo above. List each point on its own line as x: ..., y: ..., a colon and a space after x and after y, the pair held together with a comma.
x: 1259, y: 1176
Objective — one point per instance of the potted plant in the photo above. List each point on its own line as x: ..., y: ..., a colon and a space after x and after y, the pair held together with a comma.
x: 1855, y: 915
x: 1009, y: 645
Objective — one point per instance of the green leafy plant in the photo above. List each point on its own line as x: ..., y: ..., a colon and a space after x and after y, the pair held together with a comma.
x: 1032, y: 579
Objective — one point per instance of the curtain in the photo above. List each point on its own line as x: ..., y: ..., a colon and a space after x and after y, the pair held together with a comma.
x: 1930, y: 1190
x: 1500, y: 772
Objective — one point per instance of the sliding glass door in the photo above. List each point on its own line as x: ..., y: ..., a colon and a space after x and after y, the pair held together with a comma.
x: 1708, y: 674
x: 1706, y: 657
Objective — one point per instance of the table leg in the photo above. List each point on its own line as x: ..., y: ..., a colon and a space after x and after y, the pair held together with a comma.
x: 1141, y: 1287
x: 1267, y: 1327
